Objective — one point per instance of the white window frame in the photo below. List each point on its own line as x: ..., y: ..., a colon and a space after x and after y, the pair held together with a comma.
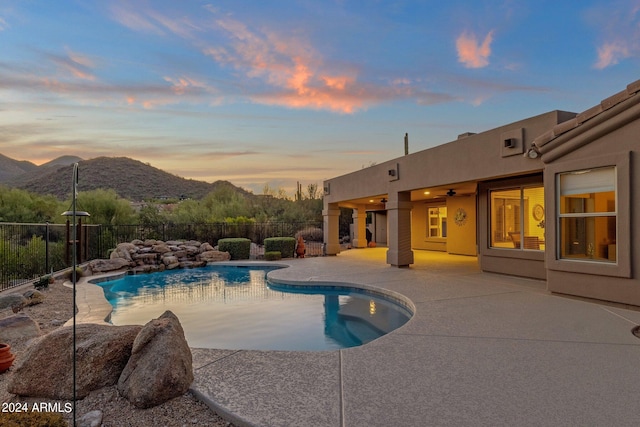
x: 622, y: 267
x: 588, y: 188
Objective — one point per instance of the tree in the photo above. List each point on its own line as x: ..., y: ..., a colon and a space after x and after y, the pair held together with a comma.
x: 105, y: 207
x: 312, y: 190
x: 22, y: 206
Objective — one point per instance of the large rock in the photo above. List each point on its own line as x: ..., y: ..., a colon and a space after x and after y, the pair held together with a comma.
x: 16, y: 301
x: 33, y: 297
x: 18, y: 327
x: 46, y: 369
x: 213, y: 256
x: 104, y: 265
x: 161, y: 248
x: 124, y: 250
x: 205, y: 247
x: 160, y: 367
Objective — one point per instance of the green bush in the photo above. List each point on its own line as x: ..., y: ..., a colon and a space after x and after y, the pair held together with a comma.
x: 238, y: 248
x: 42, y: 282
x: 68, y: 274
x: 272, y: 256
x: 285, y: 245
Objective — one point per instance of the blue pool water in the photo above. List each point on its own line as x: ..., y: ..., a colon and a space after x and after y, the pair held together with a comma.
x: 234, y: 307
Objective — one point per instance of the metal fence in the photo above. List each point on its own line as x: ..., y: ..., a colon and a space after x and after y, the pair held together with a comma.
x: 29, y: 251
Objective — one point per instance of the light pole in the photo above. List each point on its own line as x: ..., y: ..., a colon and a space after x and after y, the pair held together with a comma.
x: 74, y: 213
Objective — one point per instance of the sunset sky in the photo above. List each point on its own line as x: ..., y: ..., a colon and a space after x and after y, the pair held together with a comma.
x: 275, y: 92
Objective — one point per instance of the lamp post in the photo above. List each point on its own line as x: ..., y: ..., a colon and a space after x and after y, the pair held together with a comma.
x: 74, y: 213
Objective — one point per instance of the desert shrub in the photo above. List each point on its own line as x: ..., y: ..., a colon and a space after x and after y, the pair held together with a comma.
x: 311, y: 234
x: 285, y: 245
x: 32, y: 419
x: 68, y: 274
x: 272, y: 256
x: 238, y: 247
x: 42, y: 282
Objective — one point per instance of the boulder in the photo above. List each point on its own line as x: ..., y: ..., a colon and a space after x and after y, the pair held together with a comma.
x: 213, y: 256
x: 161, y: 248
x: 160, y: 367
x: 124, y: 250
x: 104, y: 265
x: 168, y: 260
x: 91, y: 419
x: 16, y: 301
x: 18, y: 327
x: 180, y: 254
x: 191, y: 250
x: 205, y: 247
x: 33, y: 297
x: 46, y: 369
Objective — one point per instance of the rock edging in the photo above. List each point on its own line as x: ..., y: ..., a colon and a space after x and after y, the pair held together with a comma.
x: 155, y: 255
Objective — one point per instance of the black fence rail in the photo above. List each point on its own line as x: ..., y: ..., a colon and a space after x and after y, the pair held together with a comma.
x: 29, y: 251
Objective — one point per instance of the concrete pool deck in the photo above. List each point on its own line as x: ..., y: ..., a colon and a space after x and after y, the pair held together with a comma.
x: 481, y: 349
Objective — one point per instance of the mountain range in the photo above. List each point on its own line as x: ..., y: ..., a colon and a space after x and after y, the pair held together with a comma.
x: 129, y: 178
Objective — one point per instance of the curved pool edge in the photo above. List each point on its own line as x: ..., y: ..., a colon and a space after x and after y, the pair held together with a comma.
x: 93, y: 307
x: 387, y: 294
x: 91, y: 304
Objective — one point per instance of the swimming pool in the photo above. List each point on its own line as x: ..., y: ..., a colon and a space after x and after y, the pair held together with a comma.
x: 235, y: 307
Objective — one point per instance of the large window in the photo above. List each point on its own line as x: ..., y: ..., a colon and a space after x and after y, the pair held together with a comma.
x: 518, y: 218
x: 588, y: 215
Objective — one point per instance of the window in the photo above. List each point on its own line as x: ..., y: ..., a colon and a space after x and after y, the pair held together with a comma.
x: 437, y: 222
x: 588, y: 215
x: 518, y: 218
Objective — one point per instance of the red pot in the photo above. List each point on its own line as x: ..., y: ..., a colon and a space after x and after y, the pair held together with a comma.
x: 6, y: 357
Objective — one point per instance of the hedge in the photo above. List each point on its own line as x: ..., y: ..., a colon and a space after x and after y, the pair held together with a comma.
x: 272, y: 256
x: 238, y: 247
x: 285, y: 245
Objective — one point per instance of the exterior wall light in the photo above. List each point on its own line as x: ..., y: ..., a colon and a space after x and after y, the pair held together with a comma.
x: 532, y: 153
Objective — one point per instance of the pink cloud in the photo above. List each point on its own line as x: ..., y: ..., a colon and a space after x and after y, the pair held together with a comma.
x: 297, y: 74
x: 293, y: 74
x: 611, y: 53
x: 618, y: 25
x: 141, y: 18
x: 472, y: 54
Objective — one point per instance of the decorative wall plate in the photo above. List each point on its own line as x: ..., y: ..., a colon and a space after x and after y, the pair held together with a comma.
x: 538, y: 212
x: 460, y: 217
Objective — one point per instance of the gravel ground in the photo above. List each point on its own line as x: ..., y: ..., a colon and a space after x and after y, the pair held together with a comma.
x: 57, y: 308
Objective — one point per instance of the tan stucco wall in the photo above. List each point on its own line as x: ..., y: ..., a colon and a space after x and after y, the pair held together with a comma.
x: 419, y: 239
x: 473, y: 158
x: 617, y: 142
x: 461, y: 239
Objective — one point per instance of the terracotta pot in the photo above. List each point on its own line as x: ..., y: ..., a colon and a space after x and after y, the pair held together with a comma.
x: 6, y: 357
x: 300, y: 249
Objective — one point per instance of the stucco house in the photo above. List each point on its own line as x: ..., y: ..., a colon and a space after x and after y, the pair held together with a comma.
x: 549, y: 197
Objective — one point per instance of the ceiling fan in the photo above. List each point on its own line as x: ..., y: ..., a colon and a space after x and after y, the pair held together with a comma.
x: 449, y: 193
